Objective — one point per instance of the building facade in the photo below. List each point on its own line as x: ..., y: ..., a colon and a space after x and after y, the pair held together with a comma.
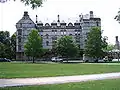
x: 50, y: 32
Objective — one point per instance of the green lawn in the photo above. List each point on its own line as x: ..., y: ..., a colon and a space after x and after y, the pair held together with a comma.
x: 20, y: 70
x: 91, y: 85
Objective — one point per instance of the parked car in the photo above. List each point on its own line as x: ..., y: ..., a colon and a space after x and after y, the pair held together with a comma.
x: 5, y: 60
x: 57, y: 59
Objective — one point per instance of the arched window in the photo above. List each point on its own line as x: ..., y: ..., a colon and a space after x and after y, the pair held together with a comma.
x: 47, y: 24
x: 70, y: 24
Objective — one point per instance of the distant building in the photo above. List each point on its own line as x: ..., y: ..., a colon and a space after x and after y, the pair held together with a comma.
x: 50, y: 32
x: 117, y: 43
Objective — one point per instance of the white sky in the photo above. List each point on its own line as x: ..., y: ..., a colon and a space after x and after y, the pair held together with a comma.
x: 11, y: 12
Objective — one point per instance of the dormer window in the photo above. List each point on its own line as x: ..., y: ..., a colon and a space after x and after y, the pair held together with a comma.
x: 47, y: 24
x: 70, y: 24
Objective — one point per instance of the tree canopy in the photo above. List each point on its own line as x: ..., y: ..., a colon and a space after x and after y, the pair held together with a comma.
x: 117, y: 17
x: 34, y: 3
x: 33, y: 46
x: 66, y: 47
x: 95, y: 44
x: 7, y: 45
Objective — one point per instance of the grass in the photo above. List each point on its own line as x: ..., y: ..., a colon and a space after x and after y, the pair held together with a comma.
x: 23, y: 70
x: 90, y: 85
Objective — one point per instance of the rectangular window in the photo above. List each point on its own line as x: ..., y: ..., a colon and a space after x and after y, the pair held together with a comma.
x: 19, y: 31
x: 19, y: 40
x: 19, y: 48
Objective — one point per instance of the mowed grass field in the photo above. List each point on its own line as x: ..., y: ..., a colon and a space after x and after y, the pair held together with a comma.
x: 25, y: 70
x: 90, y: 85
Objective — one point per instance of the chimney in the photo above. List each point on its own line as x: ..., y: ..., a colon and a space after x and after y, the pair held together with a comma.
x: 26, y: 13
x: 58, y: 21
x: 36, y: 19
x: 91, y: 14
x: 58, y: 18
x: 116, y: 38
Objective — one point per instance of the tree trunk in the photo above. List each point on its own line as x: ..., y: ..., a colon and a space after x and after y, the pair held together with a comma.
x: 33, y: 60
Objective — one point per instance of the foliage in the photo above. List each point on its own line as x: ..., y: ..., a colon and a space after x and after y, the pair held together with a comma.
x: 104, y: 43
x: 5, y: 45
x: 110, y: 47
x: 13, y: 46
x: 117, y: 17
x: 33, y: 47
x: 94, y: 44
x: 34, y: 3
x: 66, y: 47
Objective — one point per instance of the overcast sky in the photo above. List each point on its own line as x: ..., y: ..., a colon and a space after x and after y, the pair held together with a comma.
x: 69, y: 10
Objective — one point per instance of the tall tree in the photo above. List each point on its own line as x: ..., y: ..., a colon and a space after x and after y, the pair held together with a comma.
x: 66, y: 47
x: 33, y: 47
x: 5, y: 47
x: 13, y: 46
x: 94, y: 44
x: 33, y: 3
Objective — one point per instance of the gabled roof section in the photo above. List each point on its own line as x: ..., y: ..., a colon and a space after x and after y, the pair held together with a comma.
x: 25, y: 19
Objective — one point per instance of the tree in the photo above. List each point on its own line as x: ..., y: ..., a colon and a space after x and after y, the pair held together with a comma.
x: 13, y: 46
x: 33, y: 47
x: 5, y: 47
x: 117, y: 17
x: 104, y: 43
x: 66, y: 47
x: 110, y: 47
x: 33, y: 3
x: 94, y: 44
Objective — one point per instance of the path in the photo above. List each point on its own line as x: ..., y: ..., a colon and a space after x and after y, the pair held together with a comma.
x: 56, y: 80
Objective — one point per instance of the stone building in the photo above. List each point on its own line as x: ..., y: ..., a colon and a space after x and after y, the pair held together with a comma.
x: 50, y: 32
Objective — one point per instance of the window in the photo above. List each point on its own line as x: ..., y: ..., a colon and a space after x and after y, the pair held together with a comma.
x: 70, y: 24
x: 54, y: 38
x: 19, y: 48
x: 47, y: 36
x: 78, y: 34
x: 19, y: 31
x: 97, y: 23
x: 80, y: 27
x: 70, y: 34
x: 47, y: 24
x: 64, y: 32
x: 19, y: 39
x: 55, y: 31
x: 76, y: 30
x: 47, y: 43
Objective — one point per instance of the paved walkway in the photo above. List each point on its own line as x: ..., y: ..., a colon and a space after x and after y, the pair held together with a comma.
x: 56, y: 80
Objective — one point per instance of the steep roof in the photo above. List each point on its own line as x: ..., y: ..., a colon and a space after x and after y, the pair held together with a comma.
x: 25, y: 19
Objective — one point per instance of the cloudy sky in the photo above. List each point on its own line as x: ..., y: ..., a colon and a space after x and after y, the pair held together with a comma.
x: 69, y: 10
